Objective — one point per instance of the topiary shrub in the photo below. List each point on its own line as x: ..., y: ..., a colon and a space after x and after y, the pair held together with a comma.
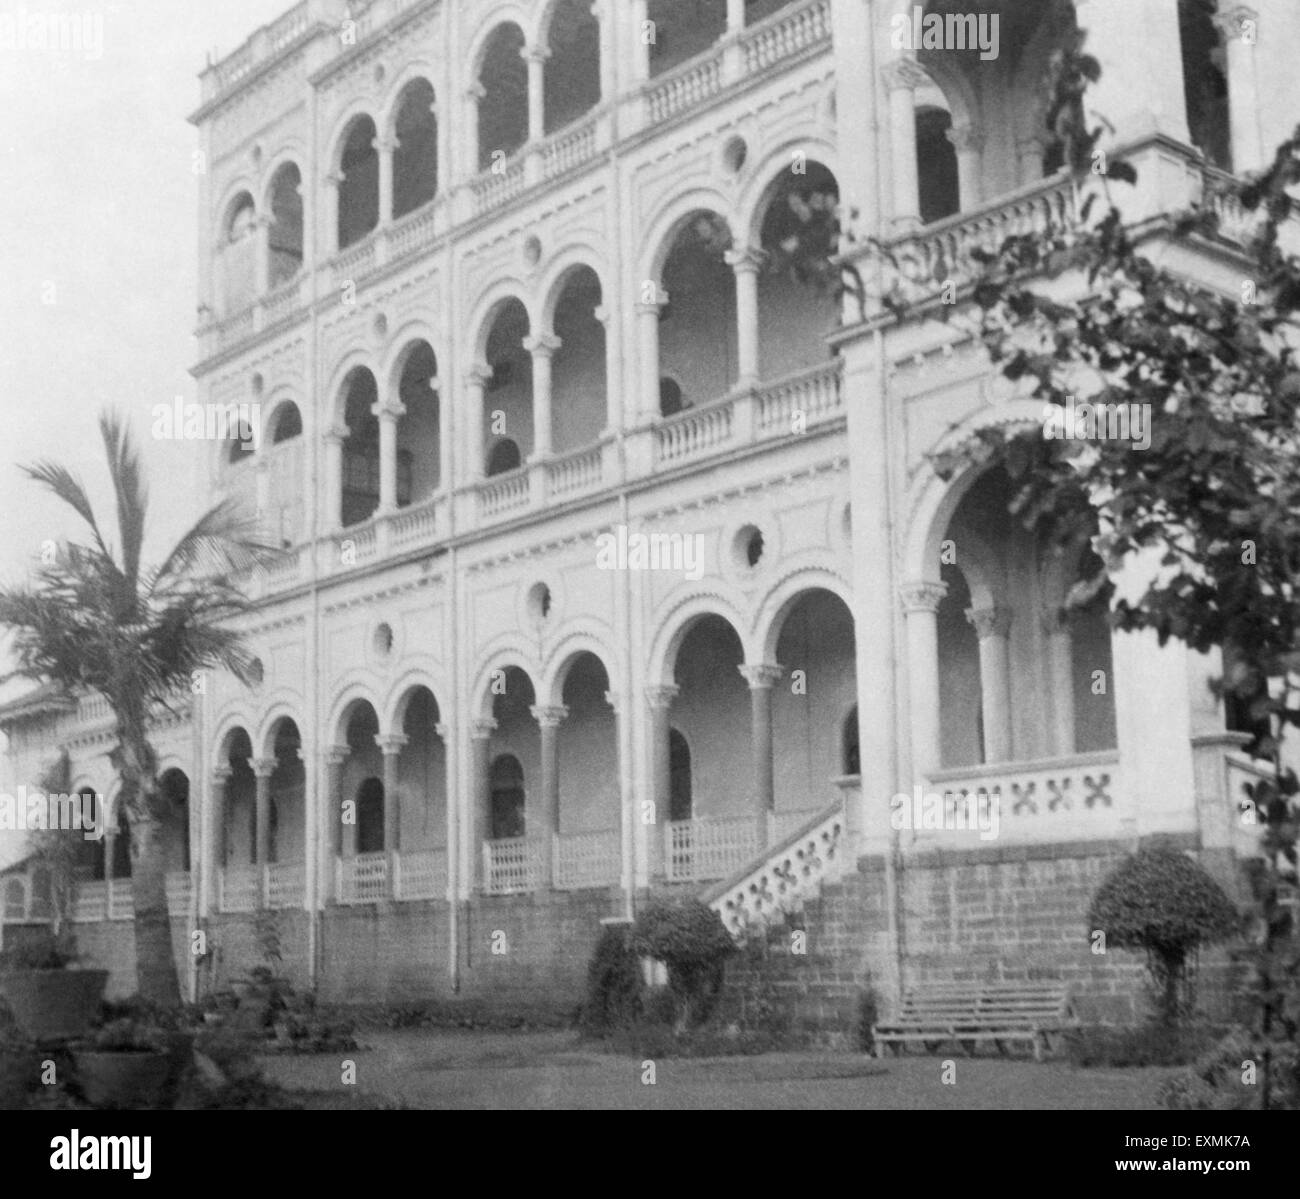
x: 613, y: 983
x: 689, y: 938
x: 1162, y: 902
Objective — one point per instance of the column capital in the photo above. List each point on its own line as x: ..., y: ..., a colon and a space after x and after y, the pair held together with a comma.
x: 263, y: 768
x: 904, y: 74
x: 745, y: 259
x: 336, y: 755
x: 549, y: 716
x: 923, y: 595
x: 615, y: 700
x: 965, y: 138
x: 1235, y: 22
x: 481, y: 728
x: 543, y: 345
x: 475, y: 91
x: 989, y: 622
x: 443, y: 729
x: 761, y: 676
x: 337, y: 434
x: 388, y: 409
x: 221, y: 775
x: 384, y: 144
x: 391, y: 744
x: 478, y: 374
x: 649, y: 307
x: 537, y: 53
x: 662, y: 696
x: 602, y: 313
x: 332, y: 178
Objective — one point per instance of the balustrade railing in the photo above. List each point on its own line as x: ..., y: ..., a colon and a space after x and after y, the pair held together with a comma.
x: 684, y: 88
x: 494, y: 187
x: 811, y: 396
x: 511, y: 864
x: 239, y: 889
x: 574, y: 473
x: 91, y: 902
x: 505, y: 494
x: 286, y: 884
x: 568, y: 149
x: 363, y: 878
x: 705, y: 848
x: 694, y: 432
x: 785, y: 34
x: 179, y: 886
x: 587, y: 860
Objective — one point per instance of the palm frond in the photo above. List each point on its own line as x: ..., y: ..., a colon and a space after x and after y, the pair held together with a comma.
x: 222, y: 541
x: 57, y: 478
x: 130, y: 488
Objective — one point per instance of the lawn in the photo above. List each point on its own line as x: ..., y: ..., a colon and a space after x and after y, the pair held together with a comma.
x: 433, y: 1068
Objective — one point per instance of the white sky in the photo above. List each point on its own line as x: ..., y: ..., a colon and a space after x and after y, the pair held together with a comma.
x: 98, y: 198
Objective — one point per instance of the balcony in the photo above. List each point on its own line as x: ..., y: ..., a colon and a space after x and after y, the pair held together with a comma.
x: 376, y: 877
x: 248, y: 888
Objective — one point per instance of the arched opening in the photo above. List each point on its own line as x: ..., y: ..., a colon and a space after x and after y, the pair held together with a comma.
x: 572, y: 81
x: 415, y: 161
x: 361, y: 449
x: 578, y: 382
x: 816, y: 640
x: 239, y: 442
x: 15, y: 899
x: 239, y: 254
x: 679, y: 777
x: 961, y: 715
x: 508, y: 397
x: 174, y: 787
x: 421, y: 806
x: 503, y: 457
x: 938, y: 188
x: 712, y: 713
x: 287, y: 423
x: 90, y: 857
x: 507, y: 780
x: 288, y: 811
x: 1205, y: 81
x: 683, y: 29
x: 370, y: 816
x: 239, y: 826
x: 793, y: 320
x: 284, y: 237
x: 358, y: 191
x: 697, y: 326
x: 419, y: 430
x: 282, y: 519
x: 670, y: 397
x: 516, y: 754
x: 503, y: 107
x: 588, y: 750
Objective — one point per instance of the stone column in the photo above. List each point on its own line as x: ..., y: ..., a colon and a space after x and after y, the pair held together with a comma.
x: 263, y: 497
x: 330, y: 195
x: 614, y: 418
x: 473, y: 98
x: 660, y: 700
x: 476, y: 381
x: 335, y: 436
x: 262, y: 265
x: 735, y: 17
x: 389, y: 413
x: 446, y: 456
x: 1029, y: 155
x: 535, y: 57
x: 638, y: 49
x: 745, y: 263
x: 391, y: 745
x: 335, y: 757
x: 969, y: 144
x: 1060, y: 673
x: 991, y: 627
x: 761, y: 677
x: 647, y: 328
x: 220, y: 785
x: 608, y: 81
x: 385, y: 147
x: 548, y: 721
x: 921, y: 601
x: 542, y: 348
x: 263, y: 768
x: 902, y: 77
x: 1239, y: 28
x: 480, y: 763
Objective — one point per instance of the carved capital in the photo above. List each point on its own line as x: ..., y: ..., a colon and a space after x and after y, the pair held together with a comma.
x: 263, y: 768
x: 384, y: 145
x: 745, y: 260
x: 647, y: 308
x: 1238, y: 23
x: 549, y: 716
x: 904, y: 74
x: 662, y: 697
x: 475, y: 92
x: 221, y: 775
x: 391, y: 744
x: 336, y: 755
x: 535, y: 54
x: 337, y: 434
x: 761, y: 676
x: 478, y: 375
x: 388, y: 409
x: 989, y: 622
x: 965, y: 138
x: 481, y: 728
x: 543, y: 345
x: 443, y: 729
x: 922, y: 596
x: 615, y: 701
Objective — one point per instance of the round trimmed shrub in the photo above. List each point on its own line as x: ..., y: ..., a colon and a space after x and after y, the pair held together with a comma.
x: 691, y: 941
x: 1162, y: 902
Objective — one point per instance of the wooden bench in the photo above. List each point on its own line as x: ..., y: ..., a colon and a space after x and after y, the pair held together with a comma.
x: 972, y: 1012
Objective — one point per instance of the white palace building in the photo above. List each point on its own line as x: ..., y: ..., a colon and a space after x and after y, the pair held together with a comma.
x: 615, y: 561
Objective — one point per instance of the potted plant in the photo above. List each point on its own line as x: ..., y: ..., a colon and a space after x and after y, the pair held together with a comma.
x: 19, y: 1062
x: 49, y: 1001
x: 126, y: 1063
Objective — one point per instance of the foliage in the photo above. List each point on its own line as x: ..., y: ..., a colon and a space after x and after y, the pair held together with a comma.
x: 1155, y: 1043
x: 13, y: 1041
x: 55, y: 850
x: 128, y: 1035
x: 1162, y: 902
x: 44, y: 951
x: 614, y: 983
x: 691, y: 941
x: 1227, y: 1077
x: 266, y: 930
x: 97, y: 619
x: 868, y: 1018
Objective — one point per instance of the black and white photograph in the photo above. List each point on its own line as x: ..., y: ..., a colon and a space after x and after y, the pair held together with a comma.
x: 650, y: 555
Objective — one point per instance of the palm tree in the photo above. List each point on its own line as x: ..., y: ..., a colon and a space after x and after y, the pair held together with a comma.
x: 95, y: 619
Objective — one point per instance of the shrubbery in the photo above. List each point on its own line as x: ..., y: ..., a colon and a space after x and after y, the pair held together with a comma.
x: 690, y: 940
